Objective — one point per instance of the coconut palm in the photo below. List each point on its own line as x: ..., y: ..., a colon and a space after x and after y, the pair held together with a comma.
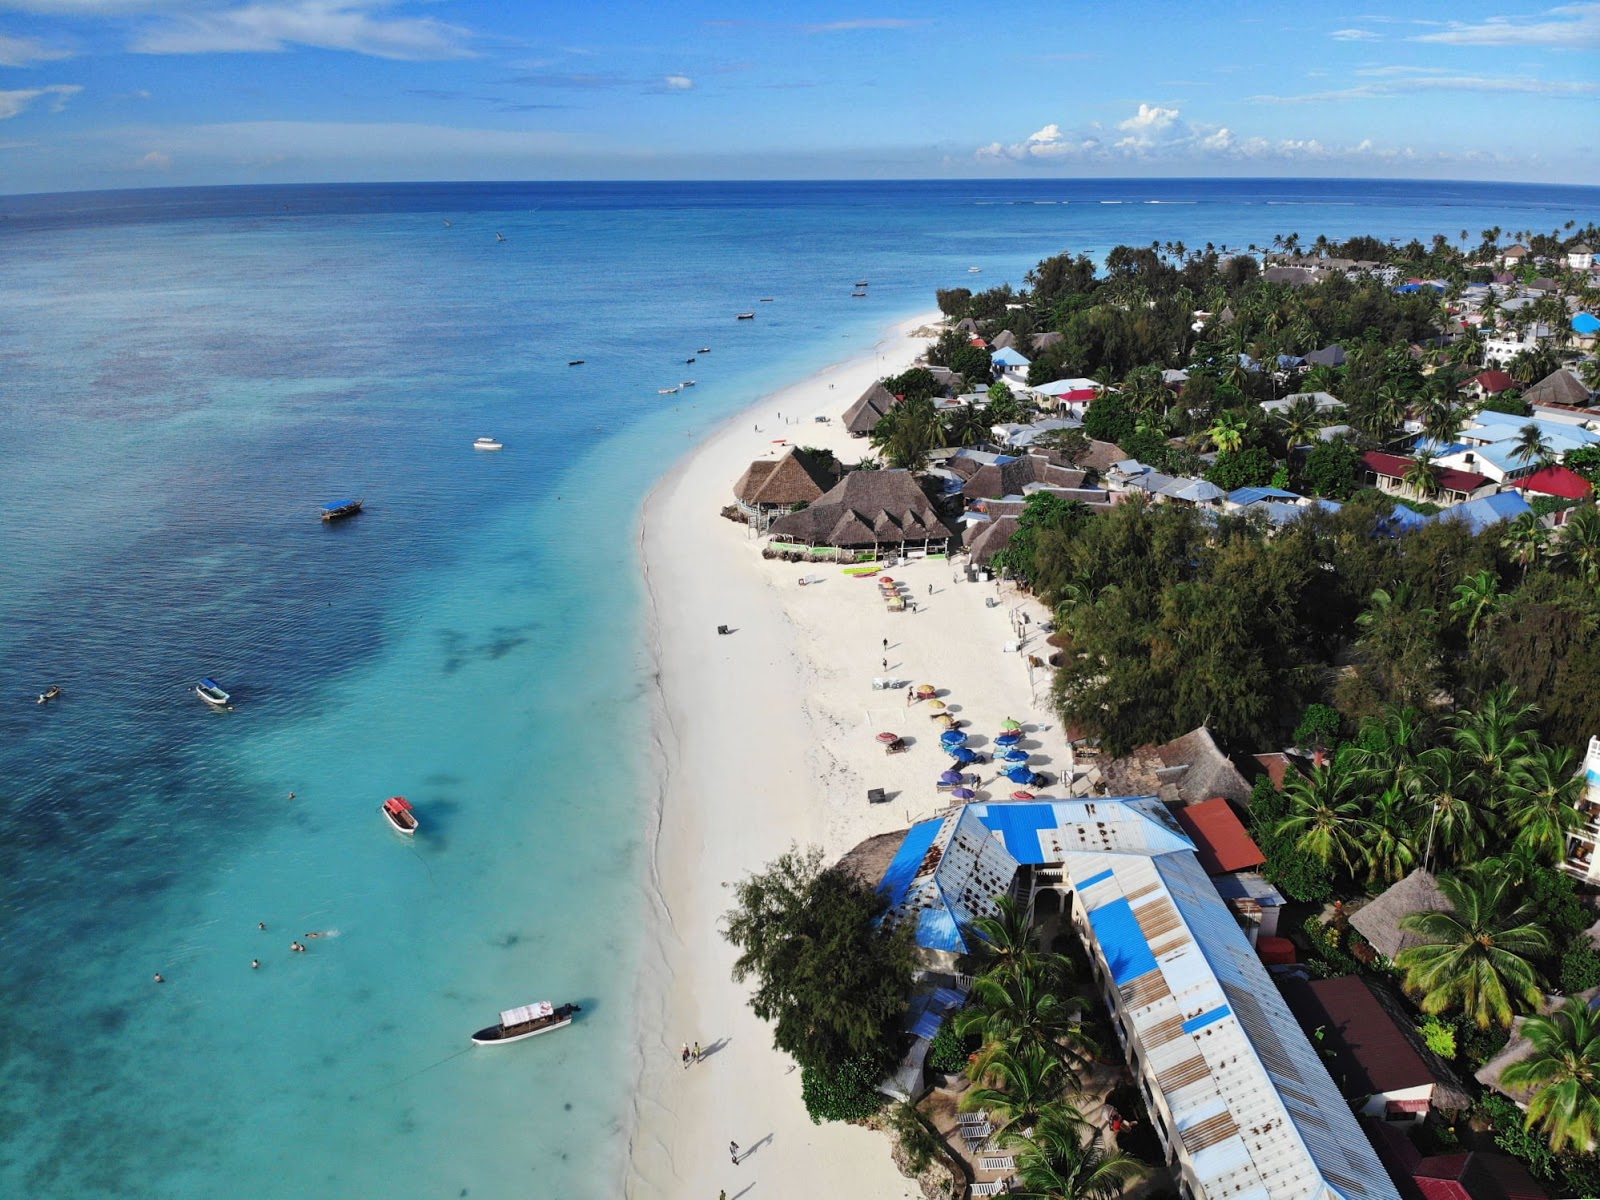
x: 1299, y: 422
x: 1577, y: 545
x: 1388, y: 745
x: 1018, y: 1013
x: 1525, y: 539
x: 1442, y: 782
x: 1533, y: 447
x: 1008, y: 942
x: 1324, y: 819
x: 1478, y: 600
x: 1476, y: 955
x: 1564, y: 1073
x: 1227, y: 433
x: 1391, y: 834
x: 1494, y: 736
x: 1440, y: 420
x: 1540, y: 802
x: 1422, y: 476
x: 1390, y: 409
x: 1055, y: 1163
x: 1022, y: 1088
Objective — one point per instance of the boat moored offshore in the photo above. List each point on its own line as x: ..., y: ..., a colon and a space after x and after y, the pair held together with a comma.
x: 526, y: 1021
x: 211, y: 692
x: 487, y: 443
x: 335, y: 509
x: 398, y: 812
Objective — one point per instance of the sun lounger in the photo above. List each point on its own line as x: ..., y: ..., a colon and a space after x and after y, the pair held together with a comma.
x: 995, y: 1187
x: 972, y: 1118
x: 1004, y: 1162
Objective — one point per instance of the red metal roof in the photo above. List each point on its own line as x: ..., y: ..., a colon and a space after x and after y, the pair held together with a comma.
x: 1494, y: 381
x: 1557, y: 481
x: 1220, y: 838
x: 1392, y: 466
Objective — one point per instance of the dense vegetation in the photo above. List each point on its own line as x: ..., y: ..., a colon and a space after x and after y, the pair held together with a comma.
x: 830, y: 978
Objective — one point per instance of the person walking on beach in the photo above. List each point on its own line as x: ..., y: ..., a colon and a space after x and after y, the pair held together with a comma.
x: 686, y: 1056
x: 697, y: 1052
x: 886, y: 664
x: 733, y: 1152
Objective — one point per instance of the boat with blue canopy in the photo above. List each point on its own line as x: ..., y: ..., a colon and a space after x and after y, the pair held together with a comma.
x: 334, y: 509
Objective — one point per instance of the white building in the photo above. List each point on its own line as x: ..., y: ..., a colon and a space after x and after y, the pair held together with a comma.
x: 1581, y: 842
x: 1239, y: 1098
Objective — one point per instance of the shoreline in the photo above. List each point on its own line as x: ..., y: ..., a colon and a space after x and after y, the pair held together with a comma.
x: 761, y: 740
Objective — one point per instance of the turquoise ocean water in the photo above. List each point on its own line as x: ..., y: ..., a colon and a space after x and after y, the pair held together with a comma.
x: 184, y: 377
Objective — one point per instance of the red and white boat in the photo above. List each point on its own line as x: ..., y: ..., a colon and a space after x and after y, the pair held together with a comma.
x: 397, y: 811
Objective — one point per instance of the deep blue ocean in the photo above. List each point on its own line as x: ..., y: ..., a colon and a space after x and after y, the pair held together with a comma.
x: 185, y: 377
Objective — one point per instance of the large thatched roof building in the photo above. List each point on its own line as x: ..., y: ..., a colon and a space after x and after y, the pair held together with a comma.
x: 1379, y: 921
x: 868, y: 509
x: 1558, y: 387
x: 796, y: 478
x: 991, y: 481
x: 863, y: 416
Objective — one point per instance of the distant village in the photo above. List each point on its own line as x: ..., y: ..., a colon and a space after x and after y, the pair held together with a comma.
x: 1328, y: 929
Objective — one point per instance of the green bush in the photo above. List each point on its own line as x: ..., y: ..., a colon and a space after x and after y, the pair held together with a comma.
x: 916, y: 1139
x: 1327, y: 946
x: 1476, y: 1045
x: 948, y: 1051
x: 1508, y: 1123
x: 846, y: 1091
x: 1580, y: 970
x: 1579, y: 1174
x: 1439, y: 1036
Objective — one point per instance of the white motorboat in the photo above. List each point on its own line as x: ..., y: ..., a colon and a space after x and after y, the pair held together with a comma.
x: 671, y: 391
x: 487, y: 443
x: 526, y: 1021
x: 398, y: 812
x: 211, y: 692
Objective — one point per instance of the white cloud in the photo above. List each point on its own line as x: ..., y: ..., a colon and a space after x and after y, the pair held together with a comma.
x: 326, y: 24
x: 1151, y: 118
x: 14, y: 103
x: 1355, y: 35
x: 155, y: 161
x: 1575, y: 26
x: 679, y: 83
x: 863, y: 23
x: 19, y: 51
x: 1399, y: 81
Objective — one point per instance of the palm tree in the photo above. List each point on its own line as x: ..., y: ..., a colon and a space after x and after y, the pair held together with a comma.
x: 1022, y: 1089
x: 1390, y: 411
x: 1055, y: 1163
x: 1443, y: 782
x: 907, y: 432
x: 1299, y: 422
x: 1008, y: 942
x: 1533, y: 447
x: 1541, y: 801
x: 1391, y: 837
x: 1564, y: 1073
x: 1422, y: 476
x: 1227, y: 433
x: 1525, y: 539
x: 1440, y: 420
x: 1324, y: 819
x: 968, y: 426
x: 1388, y: 745
x: 1477, y: 599
x: 1476, y: 954
x: 1016, y: 1013
x: 1577, y: 545
x: 1494, y: 737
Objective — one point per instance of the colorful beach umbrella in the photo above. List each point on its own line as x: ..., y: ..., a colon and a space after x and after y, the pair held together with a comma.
x: 950, y: 777
x: 887, y: 737
x: 1015, y: 755
x: 963, y: 793
x: 1008, y: 739
x: 952, y: 737
x: 927, y: 689
x: 1009, y: 725
x: 1022, y: 795
x: 1020, y: 775
x: 936, y: 705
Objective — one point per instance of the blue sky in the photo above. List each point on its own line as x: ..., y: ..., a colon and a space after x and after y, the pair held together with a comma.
x: 128, y: 93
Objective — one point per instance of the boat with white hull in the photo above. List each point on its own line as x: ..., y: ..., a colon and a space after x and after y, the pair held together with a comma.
x: 526, y: 1021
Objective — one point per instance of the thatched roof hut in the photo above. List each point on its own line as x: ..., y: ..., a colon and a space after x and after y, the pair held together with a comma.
x: 994, y: 480
x: 985, y: 539
x: 1189, y: 769
x: 796, y: 478
x: 869, y: 860
x: 1043, y: 341
x: 868, y: 509
x: 863, y: 416
x: 966, y: 325
x: 1379, y: 920
x: 1004, y: 339
x: 1558, y: 387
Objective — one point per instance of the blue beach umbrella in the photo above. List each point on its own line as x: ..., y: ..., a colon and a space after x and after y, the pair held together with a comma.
x: 1015, y: 755
x: 950, y: 777
x: 963, y: 793
x: 952, y: 737
x: 1008, y: 739
x: 961, y: 754
x: 1020, y: 775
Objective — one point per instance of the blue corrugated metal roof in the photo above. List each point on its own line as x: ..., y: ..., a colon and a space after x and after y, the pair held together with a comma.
x: 1249, y: 495
x: 1008, y: 357
x: 903, y: 867
x: 1122, y: 941
x: 1487, y: 511
x: 1206, y: 1018
x: 1018, y: 826
x: 1094, y: 879
x: 937, y: 930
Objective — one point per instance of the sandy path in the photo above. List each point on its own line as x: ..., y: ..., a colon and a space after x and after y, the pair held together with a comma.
x: 765, y: 738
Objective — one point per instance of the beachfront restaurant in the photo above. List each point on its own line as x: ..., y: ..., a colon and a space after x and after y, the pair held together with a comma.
x: 1238, y: 1097
x: 869, y: 511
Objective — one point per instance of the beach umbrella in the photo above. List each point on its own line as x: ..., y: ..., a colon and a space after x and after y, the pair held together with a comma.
x: 1008, y: 740
x: 1020, y: 775
x: 950, y: 777
x: 884, y: 579
x: 1015, y: 755
x: 952, y: 737
x: 961, y: 754
x: 1022, y: 795
x: 936, y: 705
x: 927, y: 689
x: 887, y: 737
x: 963, y: 793
x: 1009, y: 725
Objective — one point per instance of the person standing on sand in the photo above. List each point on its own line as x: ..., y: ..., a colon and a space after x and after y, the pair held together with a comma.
x: 686, y: 1056
x: 697, y: 1052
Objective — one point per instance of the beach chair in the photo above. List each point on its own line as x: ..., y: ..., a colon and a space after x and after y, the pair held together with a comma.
x: 876, y: 796
x: 1002, y: 1162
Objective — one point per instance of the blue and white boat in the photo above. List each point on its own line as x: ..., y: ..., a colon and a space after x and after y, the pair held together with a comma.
x: 211, y: 692
x: 334, y: 509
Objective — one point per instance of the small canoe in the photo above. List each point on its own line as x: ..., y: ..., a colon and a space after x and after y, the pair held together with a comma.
x: 50, y: 693
x: 398, y: 812
x: 687, y: 383
x: 671, y: 391
x: 703, y: 350
x: 576, y: 362
x: 211, y: 692
x: 749, y: 316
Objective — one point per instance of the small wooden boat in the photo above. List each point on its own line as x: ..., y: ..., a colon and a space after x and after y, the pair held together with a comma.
x: 397, y: 811
x: 750, y: 316
x: 766, y: 299
x: 526, y: 1021
x: 487, y: 443
x: 671, y: 391
x: 703, y: 350
x: 974, y: 270
x: 211, y: 692
x: 50, y: 693
x: 687, y: 383
x: 858, y: 295
x: 576, y: 362
x: 861, y: 283
x: 687, y: 361
x: 335, y: 509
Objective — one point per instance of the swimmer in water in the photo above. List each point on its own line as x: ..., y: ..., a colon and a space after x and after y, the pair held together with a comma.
x: 319, y: 933
x: 255, y: 964
x: 261, y: 925
x: 297, y: 947
x: 159, y: 979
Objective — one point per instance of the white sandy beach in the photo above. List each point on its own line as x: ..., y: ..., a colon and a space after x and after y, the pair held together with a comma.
x: 766, y: 738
